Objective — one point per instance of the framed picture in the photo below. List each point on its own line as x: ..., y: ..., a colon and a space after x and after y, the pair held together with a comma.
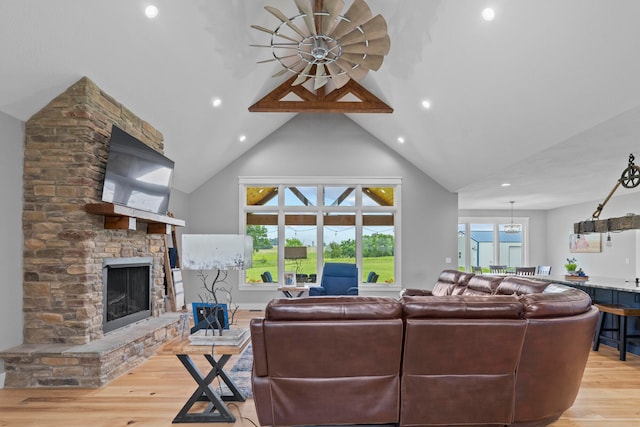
x: 585, y: 243
x: 289, y: 278
x: 203, y: 310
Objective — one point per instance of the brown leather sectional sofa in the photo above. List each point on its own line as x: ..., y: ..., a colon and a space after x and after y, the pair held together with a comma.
x: 477, y: 350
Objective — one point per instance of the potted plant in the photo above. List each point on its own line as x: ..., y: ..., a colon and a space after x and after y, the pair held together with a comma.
x: 571, y: 266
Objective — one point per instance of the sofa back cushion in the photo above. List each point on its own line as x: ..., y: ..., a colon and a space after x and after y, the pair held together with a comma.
x: 458, y: 351
x: 333, y: 308
x: 553, y: 359
x: 307, y: 349
x: 482, y: 285
x: 463, y: 281
x: 518, y: 285
x: 447, y: 280
x: 462, y: 307
x: 556, y: 301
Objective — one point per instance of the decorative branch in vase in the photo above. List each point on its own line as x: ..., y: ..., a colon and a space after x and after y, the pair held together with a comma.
x: 219, y: 253
x: 212, y: 318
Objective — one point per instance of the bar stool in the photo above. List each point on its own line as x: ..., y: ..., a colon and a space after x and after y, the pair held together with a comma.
x: 621, y: 313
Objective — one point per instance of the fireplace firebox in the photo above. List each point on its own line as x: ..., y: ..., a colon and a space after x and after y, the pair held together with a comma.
x: 127, y: 291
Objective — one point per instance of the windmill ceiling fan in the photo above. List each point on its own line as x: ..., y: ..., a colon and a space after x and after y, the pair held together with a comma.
x: 322, y: 45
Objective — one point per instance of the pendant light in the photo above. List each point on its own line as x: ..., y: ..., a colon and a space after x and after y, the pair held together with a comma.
x: 512, y: 228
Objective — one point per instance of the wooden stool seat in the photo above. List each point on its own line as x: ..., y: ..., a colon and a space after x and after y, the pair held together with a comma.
x: 621, y: 313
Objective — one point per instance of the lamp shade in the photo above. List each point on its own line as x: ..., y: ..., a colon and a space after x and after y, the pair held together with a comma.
x: 216, y: 251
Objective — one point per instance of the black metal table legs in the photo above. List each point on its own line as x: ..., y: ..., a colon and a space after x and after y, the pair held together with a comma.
x: 216, y: 410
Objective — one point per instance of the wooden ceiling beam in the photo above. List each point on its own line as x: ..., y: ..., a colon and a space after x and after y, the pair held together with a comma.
x: 320, y: 102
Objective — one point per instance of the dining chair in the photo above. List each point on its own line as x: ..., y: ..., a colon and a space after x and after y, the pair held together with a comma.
x: 525, y: 271
x: 476, y: 269
x: 498, y: 269
x: 543, y: 270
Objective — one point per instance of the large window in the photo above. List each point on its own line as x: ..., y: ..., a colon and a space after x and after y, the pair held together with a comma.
x: 492, y: 241
x: 299, y: 225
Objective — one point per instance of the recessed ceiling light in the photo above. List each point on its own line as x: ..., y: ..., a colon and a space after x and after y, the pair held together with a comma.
x: 426, y: 104
x: 216, y: 102
x: 505, y: 184
x: 488, y: 14
x: 151, y: 11
x: 242, y: 138
x: 401, y: 139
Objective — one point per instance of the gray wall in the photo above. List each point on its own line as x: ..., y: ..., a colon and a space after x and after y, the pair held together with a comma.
x: 12, y: 142
x: 618, y: 261
x: 332, y: 146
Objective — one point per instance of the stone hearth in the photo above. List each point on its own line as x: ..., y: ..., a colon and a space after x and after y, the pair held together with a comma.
x: 66, y: 146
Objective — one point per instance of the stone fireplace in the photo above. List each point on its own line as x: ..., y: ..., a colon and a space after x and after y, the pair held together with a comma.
x: 127, y: 291
x: 66, y: 250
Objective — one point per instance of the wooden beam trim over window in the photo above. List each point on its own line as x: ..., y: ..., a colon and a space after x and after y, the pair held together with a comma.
x: 373, y: 220
x: 292, y: 219
x: 299, y: 220
x: 340, y: 220
x: 262, y: 219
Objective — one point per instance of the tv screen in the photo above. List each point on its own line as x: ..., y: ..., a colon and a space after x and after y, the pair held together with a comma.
x: 136, y: 176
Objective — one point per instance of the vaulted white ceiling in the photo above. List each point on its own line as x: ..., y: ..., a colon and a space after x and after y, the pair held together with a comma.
x: 545, y: 97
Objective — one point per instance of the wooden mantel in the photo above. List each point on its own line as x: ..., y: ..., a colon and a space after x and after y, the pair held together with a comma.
x: 117, y: 217
x: 628, y: 222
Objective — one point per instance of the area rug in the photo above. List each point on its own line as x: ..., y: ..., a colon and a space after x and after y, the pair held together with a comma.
x: 240, y: 373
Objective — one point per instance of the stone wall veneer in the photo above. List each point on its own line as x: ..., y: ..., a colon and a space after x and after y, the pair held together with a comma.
x: 65, y: 153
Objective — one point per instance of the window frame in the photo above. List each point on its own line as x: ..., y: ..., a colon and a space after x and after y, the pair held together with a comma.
x: 320, y: 209
x: 496, y: 222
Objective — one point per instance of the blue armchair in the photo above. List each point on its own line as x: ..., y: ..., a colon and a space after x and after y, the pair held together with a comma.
x: 337, y: 279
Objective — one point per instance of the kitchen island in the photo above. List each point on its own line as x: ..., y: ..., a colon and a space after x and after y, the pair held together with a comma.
x: 607, y: 290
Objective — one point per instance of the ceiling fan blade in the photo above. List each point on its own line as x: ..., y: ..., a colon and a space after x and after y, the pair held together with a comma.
x: 338, y: 79
x: 321, y: 78
x: 304, y: 6
x: 356, y: 73
x: 282, y: 17
x: 358, y: 14
x: 274, y: 59
x: 302, y: 77
x: 294, y: 68
x: 333, y: 7
x: 266, y: 30
x: 374, y: 29
x: 372, y: 62
x: 375, y: 47
x: 278, y: 45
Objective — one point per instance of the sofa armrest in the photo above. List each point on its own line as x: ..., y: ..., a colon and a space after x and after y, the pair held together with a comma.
x: 259, y: 350
x: 316, y: 291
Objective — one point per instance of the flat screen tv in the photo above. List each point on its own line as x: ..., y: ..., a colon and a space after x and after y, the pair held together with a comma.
x: 136, y: 176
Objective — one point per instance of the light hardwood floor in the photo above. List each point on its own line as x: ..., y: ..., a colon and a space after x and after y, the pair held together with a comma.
x: 153, y: 393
